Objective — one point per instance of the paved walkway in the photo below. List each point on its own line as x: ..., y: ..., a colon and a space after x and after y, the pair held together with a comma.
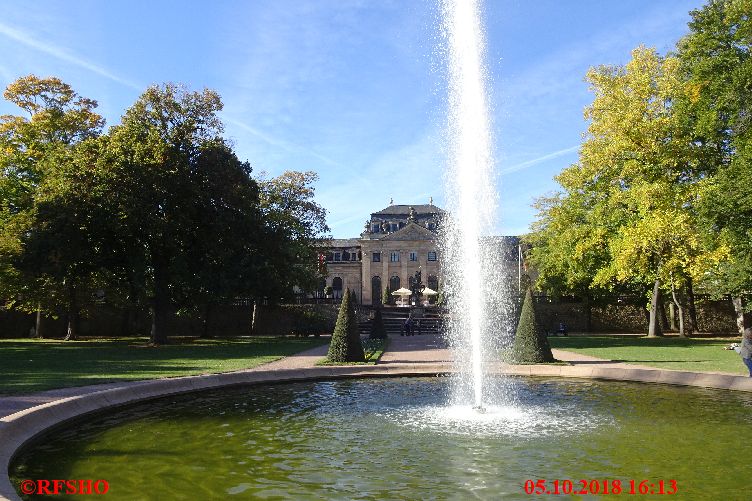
x: 416, y: 349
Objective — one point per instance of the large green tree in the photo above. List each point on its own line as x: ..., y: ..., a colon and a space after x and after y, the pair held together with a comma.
x: 187, y: 209
x: 47, y: 259
x: 224, y: 250
x: 625, y: 216
x: 716, y: 61
x: 295, y: 227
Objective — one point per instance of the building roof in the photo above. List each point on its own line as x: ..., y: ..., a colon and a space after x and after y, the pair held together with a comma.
x: 412, y: 231
x: 343, y: 242
x: 404, y: 210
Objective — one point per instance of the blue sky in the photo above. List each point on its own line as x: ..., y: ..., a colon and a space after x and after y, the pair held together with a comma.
x: 354, y: 90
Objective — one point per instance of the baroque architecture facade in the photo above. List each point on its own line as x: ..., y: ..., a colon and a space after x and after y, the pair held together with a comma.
x: 396, y: 242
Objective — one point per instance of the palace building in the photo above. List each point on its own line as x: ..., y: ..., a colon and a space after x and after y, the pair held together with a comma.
x: 397, y: 241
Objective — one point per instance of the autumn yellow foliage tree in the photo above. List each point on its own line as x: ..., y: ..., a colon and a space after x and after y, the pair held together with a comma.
x: 626, y: 212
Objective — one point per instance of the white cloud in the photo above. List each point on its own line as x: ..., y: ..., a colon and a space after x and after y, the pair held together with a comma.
x: 281, y: 143
x: 535, y: 161
x: 63, y: 54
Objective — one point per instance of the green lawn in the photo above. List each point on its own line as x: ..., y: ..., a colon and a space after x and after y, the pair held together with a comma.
x: 695, y: 354
x: 28, y: 365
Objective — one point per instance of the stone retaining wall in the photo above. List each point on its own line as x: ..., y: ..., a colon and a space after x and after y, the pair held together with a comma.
x: 235, y: 320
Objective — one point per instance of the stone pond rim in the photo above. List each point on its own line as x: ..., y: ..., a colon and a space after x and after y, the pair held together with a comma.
x: 20, y: 428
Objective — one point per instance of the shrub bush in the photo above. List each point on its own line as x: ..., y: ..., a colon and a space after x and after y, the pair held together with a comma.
x: 530, y: 341
x: 345, y: 345
x: 378, y: 329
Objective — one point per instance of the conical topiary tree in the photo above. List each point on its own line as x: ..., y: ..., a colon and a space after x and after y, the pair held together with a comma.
x: 378, y: 329
x: 386, y: 296
x: 530, y: 342
x: 345, y: 345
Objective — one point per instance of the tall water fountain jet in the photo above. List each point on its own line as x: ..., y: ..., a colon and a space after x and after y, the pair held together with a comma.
x: 471, y: 196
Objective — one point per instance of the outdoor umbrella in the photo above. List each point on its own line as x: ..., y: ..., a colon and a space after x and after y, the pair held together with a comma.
x: 402, y: 293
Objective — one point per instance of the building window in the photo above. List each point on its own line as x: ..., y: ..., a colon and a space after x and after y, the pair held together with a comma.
x: 401, y: 225
x: 393, y: 227
x: 394, y: 256
x: 345, y: 256
x: 376, y: 257
x: 376, y: 290
x: 413, y: 256
x: 329, y: 256
x: 375, y: 228
x: 338, y: 256
x: 394, y: 283
x: 431, y: 226
x: 432, y: 256
x: 337, y: 287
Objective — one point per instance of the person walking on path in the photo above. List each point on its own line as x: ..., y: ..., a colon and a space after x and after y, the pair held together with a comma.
x: 745, y: 350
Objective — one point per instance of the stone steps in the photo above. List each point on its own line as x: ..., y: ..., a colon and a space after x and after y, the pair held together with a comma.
x: 394, y: 321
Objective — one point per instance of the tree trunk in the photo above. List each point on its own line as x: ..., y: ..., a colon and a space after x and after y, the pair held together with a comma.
x: 742, y: 319
x: 72, y: 331
x: 679, y: 309
x: 664, y: 318
x: 38, y: 325
x: 694, y: 325
x: 654, y: 325
x: 160, y: 305
x: 672, y: 316
x: 253, y: 317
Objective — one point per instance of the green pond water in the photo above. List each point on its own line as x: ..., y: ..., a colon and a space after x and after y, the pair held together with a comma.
x: 395, y: 439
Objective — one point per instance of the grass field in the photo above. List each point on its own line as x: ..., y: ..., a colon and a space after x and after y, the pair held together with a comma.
x: 694, y: 354
x: 28, y: 365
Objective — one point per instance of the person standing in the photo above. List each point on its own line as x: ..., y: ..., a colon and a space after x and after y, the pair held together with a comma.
x: 745, y: 350
x: 408, y: 325
x: 562, y: 329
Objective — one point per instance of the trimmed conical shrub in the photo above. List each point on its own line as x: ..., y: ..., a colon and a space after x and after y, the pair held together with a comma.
x: 530, y: 342
x: 345, y: 345
x: 386, y: 297
x: 378, y: 329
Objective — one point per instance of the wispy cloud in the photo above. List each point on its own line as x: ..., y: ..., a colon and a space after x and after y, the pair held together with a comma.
x: 63, y: 54
x: 281, y: 143
x: 535, y: 161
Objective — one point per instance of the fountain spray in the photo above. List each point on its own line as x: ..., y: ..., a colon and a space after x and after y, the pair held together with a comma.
x: 471, y: 196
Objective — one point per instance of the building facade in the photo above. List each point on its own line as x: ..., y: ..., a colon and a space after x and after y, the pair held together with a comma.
x: 396, y: 242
